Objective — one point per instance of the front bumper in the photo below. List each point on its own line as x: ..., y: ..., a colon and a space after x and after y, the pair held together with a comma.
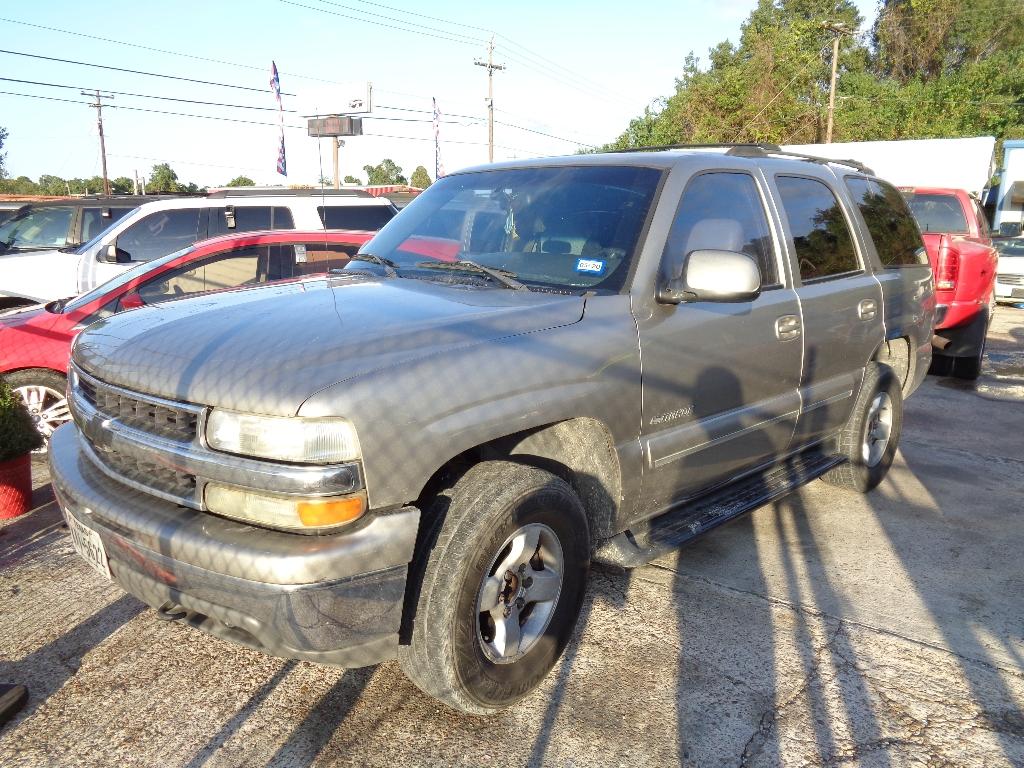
x: 333, y: 599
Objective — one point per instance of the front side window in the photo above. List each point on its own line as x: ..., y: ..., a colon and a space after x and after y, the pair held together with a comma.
x: 889, y: 222
x: 723, y: 211
x: 95, y: 220
x: 160, y: 233
x: 822, y: 240
x: 37, y: 228
x: 230, y: 269
x: 568, y: 228
x: 938, y: 212
x: 364, y: 218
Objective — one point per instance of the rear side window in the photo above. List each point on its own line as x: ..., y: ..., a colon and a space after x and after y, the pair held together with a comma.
x: 821, y: 235
x: 892, y: 228
x: 723, y: 211
x: 250, y: 218
x: 937, y: 212
x: 367, y: 218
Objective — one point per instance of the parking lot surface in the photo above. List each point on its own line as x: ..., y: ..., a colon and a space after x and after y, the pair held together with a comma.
x: 826, y: 629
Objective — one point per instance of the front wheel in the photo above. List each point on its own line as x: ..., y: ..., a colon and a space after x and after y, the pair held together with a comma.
x: 871, y: 436
x: 44, y: 393
x: 501, y: 574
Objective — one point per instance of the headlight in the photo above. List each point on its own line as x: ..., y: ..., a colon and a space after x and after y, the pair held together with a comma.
x: 290, y: 513
x: 325, y: 440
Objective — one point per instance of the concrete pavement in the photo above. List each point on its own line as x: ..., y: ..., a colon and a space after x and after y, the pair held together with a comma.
x: 825, y: 629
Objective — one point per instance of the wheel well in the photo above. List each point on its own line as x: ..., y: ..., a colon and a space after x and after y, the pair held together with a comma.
x: 580, y: 451
x: 896, y: 354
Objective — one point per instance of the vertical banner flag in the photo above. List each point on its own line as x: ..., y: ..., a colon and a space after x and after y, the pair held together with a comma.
x: 275, y: 86
x: 438, y: 166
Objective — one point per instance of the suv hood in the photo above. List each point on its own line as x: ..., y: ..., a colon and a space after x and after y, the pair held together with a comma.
x: 266, y: 350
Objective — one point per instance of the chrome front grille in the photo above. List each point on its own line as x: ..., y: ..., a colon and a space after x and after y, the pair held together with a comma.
x: 1010, y: 279
x: 158, y: 419
x: 141, y: 473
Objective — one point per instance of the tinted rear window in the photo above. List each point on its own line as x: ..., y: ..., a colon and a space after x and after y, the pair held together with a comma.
x: 890, y: 224
x: 821, y: 235
x: 937, y: 212
x: 368, y: 218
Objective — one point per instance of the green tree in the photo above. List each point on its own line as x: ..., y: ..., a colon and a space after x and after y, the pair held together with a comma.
x: 163, y: 179
x: 325, y: 181
x: 935, y: 68
x: 387, y: 172
x: 353, y: 180
x: 3, y: 155
x: 52, y: 185
x: 241, y: 181
x: 122, y: 185
x: 420, y: 178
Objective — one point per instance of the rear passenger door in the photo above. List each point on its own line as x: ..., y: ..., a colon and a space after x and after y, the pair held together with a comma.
x: 840, y: 301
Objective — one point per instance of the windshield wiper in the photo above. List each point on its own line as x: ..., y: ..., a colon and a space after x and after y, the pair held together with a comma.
x: 503, y: 276
x: 390, y: 267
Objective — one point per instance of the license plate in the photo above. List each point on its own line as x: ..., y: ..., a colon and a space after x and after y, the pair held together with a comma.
x: 1017, y: 293
x: 88, y: 545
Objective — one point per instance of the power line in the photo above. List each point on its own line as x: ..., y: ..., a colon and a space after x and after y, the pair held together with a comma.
x: 161, y: 50
x: 137, y: 72
x: 146, y: 95
x: 463, y: 41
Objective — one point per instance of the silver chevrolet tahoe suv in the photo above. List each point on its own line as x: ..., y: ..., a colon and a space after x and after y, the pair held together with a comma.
x: 536, y: 364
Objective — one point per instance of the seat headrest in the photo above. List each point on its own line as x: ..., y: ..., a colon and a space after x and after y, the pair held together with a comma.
x: 720, y: 234
x: 557, y: 246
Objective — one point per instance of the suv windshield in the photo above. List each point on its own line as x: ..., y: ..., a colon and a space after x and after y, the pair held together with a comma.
x: 1010, y: 247
x: 570, y: 228
x: 37, y: 228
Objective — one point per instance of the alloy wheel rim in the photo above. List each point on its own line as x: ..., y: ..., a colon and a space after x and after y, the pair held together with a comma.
x: 47, y: 407
x: 879, y: 429
x: 518, y: 594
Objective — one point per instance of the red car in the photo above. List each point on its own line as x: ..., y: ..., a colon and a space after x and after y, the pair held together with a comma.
x: 35, y: 343
x: 964, y: 263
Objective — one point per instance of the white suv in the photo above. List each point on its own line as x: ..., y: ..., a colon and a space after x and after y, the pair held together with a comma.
x: 163, y: 226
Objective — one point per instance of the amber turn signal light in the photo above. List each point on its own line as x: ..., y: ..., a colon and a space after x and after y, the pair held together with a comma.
x: 320, y: 513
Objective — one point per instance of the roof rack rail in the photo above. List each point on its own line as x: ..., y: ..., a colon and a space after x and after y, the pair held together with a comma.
x: 753, y: 150
x: 286, y: 192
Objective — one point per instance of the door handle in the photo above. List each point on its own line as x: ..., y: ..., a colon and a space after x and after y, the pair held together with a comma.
x: 867, y: 309
x: 787, y: 327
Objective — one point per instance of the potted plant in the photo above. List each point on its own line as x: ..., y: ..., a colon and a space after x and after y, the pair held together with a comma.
x: 18, y: 438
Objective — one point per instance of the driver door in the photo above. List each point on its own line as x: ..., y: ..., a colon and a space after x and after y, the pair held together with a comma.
x: 720, y: 380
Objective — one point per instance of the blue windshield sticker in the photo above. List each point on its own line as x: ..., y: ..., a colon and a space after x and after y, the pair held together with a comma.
x: 590, y: 266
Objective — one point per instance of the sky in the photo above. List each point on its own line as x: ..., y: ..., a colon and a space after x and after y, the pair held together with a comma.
x: 573, y: 71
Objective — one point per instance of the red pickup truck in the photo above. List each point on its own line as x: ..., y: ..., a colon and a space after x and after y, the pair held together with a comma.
x: 964, y: 263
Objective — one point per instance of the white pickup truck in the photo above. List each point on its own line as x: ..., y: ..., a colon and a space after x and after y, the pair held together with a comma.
x: 163, y: 226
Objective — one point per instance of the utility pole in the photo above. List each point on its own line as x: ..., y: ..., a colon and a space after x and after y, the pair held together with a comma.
x: 336, y: 144
x: 838, y: 30
x: 98, y: 106
x: 491, y: 67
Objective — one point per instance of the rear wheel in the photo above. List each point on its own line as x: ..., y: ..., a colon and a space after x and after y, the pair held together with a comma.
x: 501, y: 576
x: 869, y: 440
x: 44, y: 393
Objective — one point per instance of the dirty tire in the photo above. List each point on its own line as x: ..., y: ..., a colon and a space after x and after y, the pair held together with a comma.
x: 445, y: 656
x: 855, y: 473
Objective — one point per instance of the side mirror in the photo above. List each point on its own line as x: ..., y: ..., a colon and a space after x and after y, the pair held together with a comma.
x: 114, y: 255
x: 132, y: 300
x: 713, y: 275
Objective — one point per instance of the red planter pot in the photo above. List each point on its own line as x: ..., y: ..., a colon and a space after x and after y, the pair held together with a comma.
x: 15, y: 486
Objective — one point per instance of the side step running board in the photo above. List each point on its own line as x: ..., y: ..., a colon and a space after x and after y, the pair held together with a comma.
x: 678, y: 526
